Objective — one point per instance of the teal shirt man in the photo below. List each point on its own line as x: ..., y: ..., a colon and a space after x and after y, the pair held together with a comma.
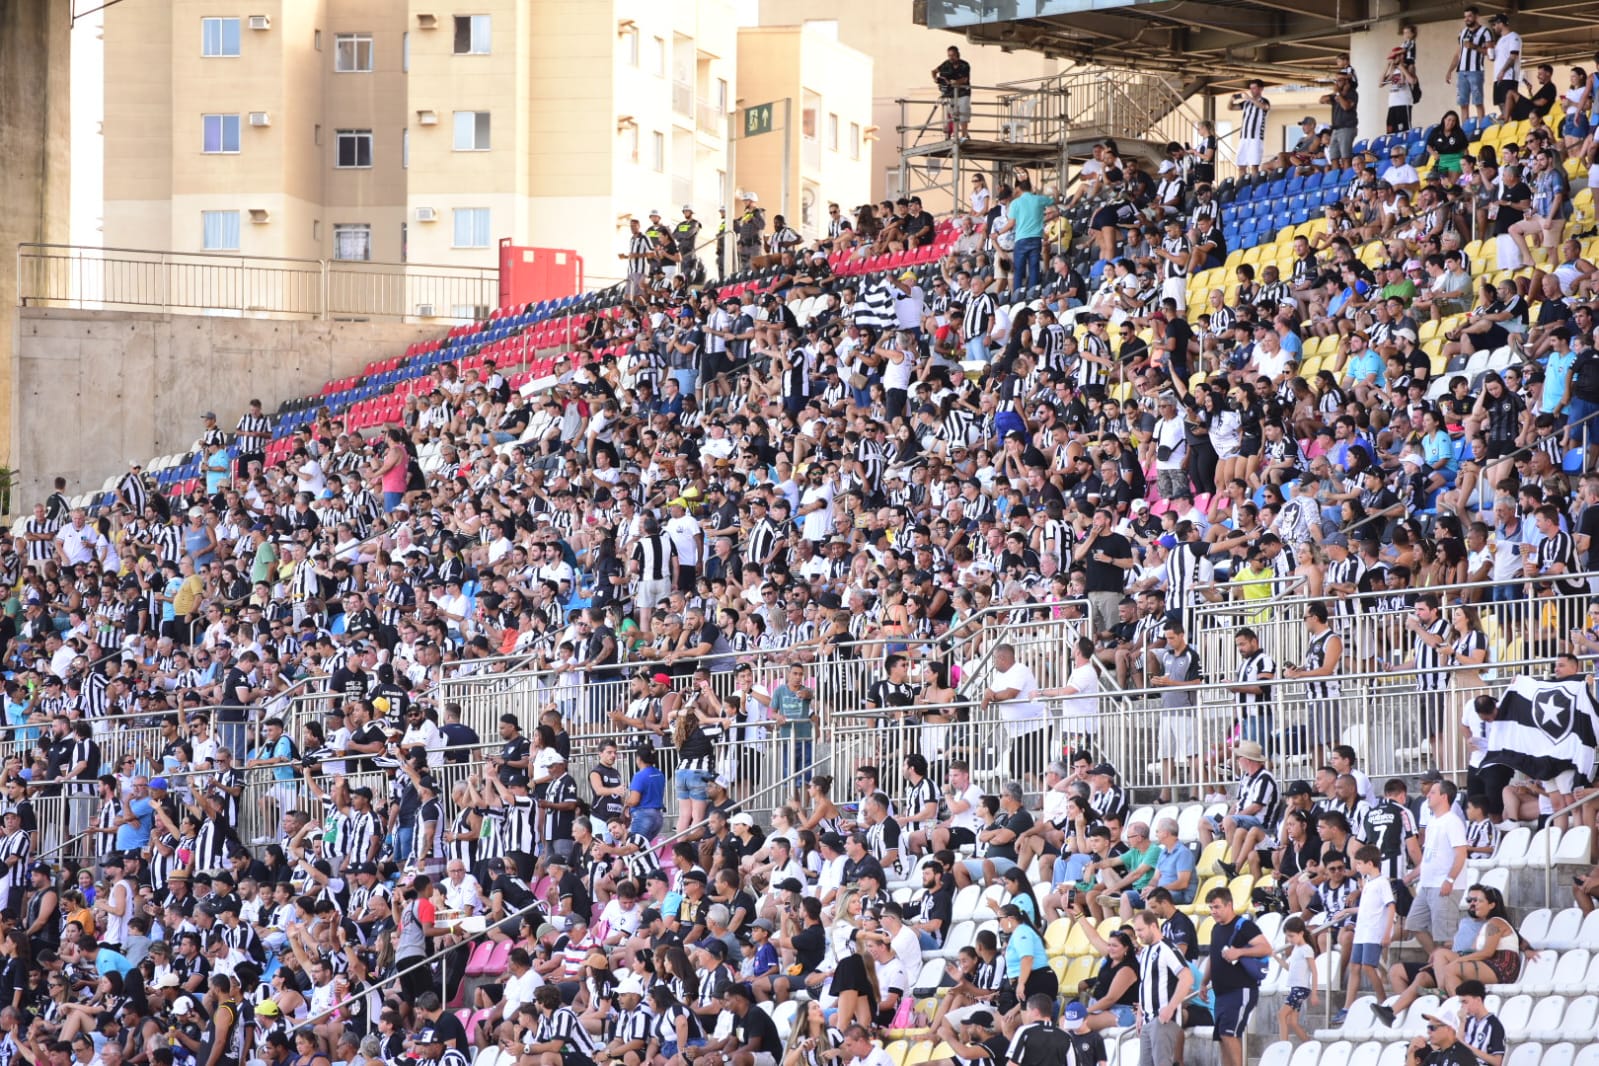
x: 1027, y: 215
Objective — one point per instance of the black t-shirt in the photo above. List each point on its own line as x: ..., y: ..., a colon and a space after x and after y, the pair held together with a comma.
x: 854, y: 871
x: 1039, y: 1045
x: 1088, y: 1048
x: 1179, y: 334
x: 950, y: 70
x: 1454, y: 1055
x: 1227, y: 976
x: 1017, y: 823
x: 1519, y: 194
x: 757, y: 1031
x: 1179, y: 932
x: 1105, y: 577
x: 572, y: 885
x: 515, y: 748
x: 810, y: 947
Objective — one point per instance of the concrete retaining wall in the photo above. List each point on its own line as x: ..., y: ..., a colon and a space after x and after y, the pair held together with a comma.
x: 97, y: 388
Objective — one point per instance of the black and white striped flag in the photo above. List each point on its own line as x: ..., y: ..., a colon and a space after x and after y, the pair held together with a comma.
x: 1544, y: 729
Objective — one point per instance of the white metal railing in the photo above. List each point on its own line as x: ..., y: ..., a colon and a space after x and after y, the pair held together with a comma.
x: 710, y: 119
x: 683, y: 98
x: 59, y: 275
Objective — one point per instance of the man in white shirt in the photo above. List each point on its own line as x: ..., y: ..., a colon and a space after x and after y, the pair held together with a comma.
x: 1435, y: 912
x: 1399, y: 173
x: 860, y: 1049
x: 684, y: 533
x: 962, y: 797
x: 1507, y: 61
x: 1080, y: 714
x: 461, y: 890
x: 1014, y: 688
x: 77, y: 541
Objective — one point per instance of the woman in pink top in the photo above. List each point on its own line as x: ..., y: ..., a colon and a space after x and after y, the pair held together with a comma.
x: 392, y: 470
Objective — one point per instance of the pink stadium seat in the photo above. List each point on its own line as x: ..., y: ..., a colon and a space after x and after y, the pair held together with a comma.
x: 478, y: 964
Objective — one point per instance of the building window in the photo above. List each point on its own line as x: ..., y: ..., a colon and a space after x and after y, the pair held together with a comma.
x: 631, y: 44
x: 854, y: 140
x: 352, y: 240
x: 221, y: 134
x: 832, y: 133
x: 352, y: 53
x: 471, y: 131
x: 658, y: 152
x: 405, y: 52
x: 405, y: 147
x: 810, y: 104
x: 658, y: 57
x: 721, y: 96
x: 316, y: 229
x: 221, y: 231
x: 354, y: 148
x: 316, y: 135
x: 219, y: 37
x: 471, y: 35
x: 630, y: 141
x: 471, y: 227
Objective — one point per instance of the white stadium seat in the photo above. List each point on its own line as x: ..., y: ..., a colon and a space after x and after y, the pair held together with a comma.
x: 1306, y: 1054
x: 1512, y: 846
x: 1588, y: 1056
x: 1357, y: 1026
x: 1547, y: 1014
x: 1539, y: 852
x: 1525, y: 1055
x: 1394, y: 1055
x: 1535, y: 926
x: 1514, y: 1016
x: 1558, y: 1055
x: 1367, y: 1054
x: 1570, y: 975
x: 1336, y: 1054
x: 1564, y: 933
x: 1578, y: 1022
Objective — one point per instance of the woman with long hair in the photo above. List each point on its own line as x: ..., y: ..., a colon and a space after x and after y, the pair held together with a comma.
x: 813, y: 1036
x: 1496, y: 955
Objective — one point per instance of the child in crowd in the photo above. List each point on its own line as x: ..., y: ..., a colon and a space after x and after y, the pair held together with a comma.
x: 1482, y: 836
x: 1374, y: 926
x: 1298, y: 956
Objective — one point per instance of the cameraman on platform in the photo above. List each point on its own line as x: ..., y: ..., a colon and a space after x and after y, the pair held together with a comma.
x: 954, y: 78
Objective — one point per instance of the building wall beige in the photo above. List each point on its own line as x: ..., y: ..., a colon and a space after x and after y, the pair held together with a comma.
x: 822, y: 92
x: 903, y: 57
x: 405, y: 130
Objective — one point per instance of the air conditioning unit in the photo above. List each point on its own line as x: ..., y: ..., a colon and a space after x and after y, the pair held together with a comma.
x: 424, y: 310
x: 427, y: 118
x: 427, y: 214
x: 260, y: 22
x: 427, y: 22
x: 260, y: 216
x: 260, y: 118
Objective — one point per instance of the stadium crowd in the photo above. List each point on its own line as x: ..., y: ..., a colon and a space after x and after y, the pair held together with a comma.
x: 909, y: 467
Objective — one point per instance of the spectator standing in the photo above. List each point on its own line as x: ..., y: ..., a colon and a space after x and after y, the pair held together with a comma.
x: 747, y: 228
x: 1252, y: 135
x: 1164, y: 982
x: 954, y: 80
x: 1467, y: 68
x: 1345, y: 103
x: 1507, y: 62
x: 1433, y: 915
x: 1234, y: 941
x: 1027, y: 224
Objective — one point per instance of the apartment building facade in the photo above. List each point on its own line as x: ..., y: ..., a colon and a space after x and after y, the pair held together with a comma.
x: 411, y: 130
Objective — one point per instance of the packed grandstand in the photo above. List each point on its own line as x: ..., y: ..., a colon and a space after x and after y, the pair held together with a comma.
x: 1104, y: 623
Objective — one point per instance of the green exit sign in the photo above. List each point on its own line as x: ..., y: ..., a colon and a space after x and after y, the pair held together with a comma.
x: 757, y: 119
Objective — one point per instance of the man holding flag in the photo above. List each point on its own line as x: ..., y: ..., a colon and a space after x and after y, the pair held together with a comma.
x: 1547, y: 730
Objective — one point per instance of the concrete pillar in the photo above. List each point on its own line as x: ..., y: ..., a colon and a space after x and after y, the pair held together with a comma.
x: 35, y: 140
x: 1368, y: 53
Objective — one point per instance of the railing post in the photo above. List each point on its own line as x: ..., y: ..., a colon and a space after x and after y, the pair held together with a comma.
x: 326, y: 288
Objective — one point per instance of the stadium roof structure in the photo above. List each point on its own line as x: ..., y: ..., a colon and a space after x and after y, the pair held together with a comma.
x: 1226, y: 42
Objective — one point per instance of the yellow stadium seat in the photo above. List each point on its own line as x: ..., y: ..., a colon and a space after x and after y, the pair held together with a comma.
x: 1060, y: 966
x: 1199, y: 906
x: 1202, y: 933
x: 941, y: 1052
x: 1077, y: 941
x: 1311, y: 367
x: 1110, y: 925
x: 1241, y: 886
x: 896, y: 1052
x: 919, y: 1053
x: 1081, y: 969
x: 1055, y: 935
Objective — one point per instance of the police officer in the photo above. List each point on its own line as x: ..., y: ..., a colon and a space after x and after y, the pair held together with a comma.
x: 686, y: 235
x: 748, y: 228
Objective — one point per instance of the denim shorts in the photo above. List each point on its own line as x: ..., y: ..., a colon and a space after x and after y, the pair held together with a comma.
x: 1366, y: 955
x: 1468, y: 87
x: 691, y: 784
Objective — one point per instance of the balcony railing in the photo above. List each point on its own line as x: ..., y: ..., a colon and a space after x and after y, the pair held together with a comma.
x: 58, y: 275
x: 683, y: 98
x: 711, y: 119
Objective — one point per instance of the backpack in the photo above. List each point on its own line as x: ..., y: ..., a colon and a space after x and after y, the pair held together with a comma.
x: 1253, y: 965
